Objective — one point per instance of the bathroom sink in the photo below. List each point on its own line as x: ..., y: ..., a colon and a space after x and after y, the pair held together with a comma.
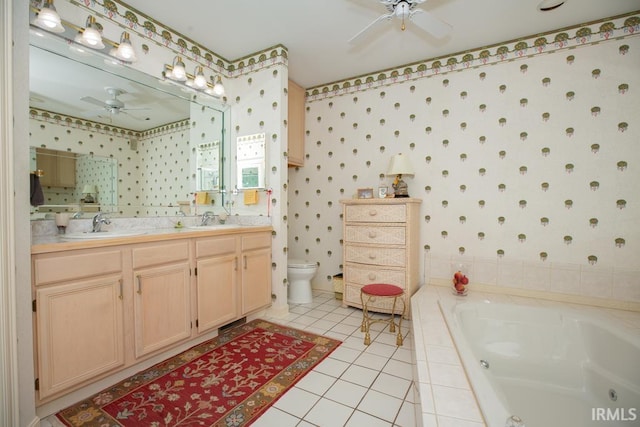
x: 87, y: 235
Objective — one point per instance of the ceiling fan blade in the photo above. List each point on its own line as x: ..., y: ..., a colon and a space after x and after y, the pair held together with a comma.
x: 94, y: 101
x: 141, y: 119
x: 430, y: 23
x: 135, y: 109
x: 353, y: 39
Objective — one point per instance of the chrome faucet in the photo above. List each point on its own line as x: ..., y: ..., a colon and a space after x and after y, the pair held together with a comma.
x: 206, y: 217
x: 98, y: 220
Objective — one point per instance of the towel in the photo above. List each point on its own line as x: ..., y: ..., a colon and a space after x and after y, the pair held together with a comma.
x: 202, y: 198
x: 250, y: 197
x: 37, y: 196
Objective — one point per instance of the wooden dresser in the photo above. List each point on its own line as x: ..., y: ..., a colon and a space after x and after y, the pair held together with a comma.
x: 381, y: 245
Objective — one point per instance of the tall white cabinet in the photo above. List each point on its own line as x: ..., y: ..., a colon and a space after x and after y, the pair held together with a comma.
x: 380, y: 245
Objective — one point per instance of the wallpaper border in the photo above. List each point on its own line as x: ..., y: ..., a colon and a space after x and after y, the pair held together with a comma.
x: 584, y: 34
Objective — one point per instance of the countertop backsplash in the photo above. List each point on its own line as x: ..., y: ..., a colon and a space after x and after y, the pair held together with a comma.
x: 47, y: 227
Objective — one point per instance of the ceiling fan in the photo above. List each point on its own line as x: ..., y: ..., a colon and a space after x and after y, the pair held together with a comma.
x: 113, y: 105
x: 408, y: 10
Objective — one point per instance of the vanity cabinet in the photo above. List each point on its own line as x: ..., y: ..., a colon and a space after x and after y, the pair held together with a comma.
x: 79, y: 317
x: 295, y: 125
x: 217, y: 284
x: 110, y: 306
x: 381, y: 245
x: 256, y: 272
x: 233, y: 277
x: 162, y: 315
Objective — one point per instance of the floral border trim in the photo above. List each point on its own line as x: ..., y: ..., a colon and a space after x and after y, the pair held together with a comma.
x: 77, y: 123
x: 585, y: 34
x: 88, y: 125
x: 146, y: 28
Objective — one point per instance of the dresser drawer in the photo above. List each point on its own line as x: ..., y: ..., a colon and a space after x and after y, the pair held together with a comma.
x: 375, y: 213
x: 395, y: 257
x: 365, y: 275
x: 374, y: 234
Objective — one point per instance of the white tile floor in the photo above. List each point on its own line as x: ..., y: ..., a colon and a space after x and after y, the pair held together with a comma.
x: 356, y: 385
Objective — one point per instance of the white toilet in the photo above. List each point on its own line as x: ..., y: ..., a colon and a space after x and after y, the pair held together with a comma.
x: 299, y: 274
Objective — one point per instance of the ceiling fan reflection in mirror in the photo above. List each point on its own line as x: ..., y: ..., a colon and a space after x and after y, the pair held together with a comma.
x: 113, y: 105
x: 408, y: 10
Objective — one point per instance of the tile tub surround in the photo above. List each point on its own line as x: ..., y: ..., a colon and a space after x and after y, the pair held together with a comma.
x: 443, y: 391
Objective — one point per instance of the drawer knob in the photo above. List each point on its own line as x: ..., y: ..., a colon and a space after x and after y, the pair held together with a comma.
x: 372, y: 276
x: 372, y: 234
x: 373, y: 212
x: 372, y: 256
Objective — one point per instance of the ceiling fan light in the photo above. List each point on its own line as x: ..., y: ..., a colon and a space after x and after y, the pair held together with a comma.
x: 48, y: 19
x: 125, y: 50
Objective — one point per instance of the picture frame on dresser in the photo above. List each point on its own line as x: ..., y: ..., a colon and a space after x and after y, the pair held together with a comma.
x: 365, y: 193
x: 382, y: 192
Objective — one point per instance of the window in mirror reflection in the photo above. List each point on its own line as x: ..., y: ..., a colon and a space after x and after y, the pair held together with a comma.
x: 250, y: 160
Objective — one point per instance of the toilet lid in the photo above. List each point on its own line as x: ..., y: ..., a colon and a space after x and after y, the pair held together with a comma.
x: 300, y: 263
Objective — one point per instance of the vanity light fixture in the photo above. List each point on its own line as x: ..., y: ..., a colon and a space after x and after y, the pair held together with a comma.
x: 398, y: 166
x: 125, y: 51
x: 199, y: 80
x: 91, y: 35
x: 218, y: 89
x: 176, y: 73
x: 47, y: 18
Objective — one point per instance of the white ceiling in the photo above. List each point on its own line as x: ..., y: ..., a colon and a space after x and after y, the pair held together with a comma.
x: 316, y: 32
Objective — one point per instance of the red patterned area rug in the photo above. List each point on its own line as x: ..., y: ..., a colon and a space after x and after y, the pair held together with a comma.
x: 227, y: 381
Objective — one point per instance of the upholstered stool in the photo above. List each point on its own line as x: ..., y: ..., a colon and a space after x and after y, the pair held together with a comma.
x: 372, y: 292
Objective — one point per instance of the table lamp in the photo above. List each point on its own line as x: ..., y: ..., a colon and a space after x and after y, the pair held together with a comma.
x: 398, y: 166
x: 89, y: 190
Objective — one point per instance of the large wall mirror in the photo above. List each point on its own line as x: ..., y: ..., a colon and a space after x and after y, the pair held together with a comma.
x: 162, y: 145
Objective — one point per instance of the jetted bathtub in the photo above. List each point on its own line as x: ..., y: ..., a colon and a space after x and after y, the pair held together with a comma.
x: 543, y: 367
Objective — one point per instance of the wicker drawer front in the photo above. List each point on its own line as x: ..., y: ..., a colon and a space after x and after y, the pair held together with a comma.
x: 380, y: 235
x: 395, y: 257
x: 376, y: 213
x: 365, y: 276
x: 382, y: 305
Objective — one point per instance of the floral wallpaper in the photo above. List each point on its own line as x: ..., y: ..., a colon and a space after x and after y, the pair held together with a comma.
x: 497, y: 137
x: 528, y: 168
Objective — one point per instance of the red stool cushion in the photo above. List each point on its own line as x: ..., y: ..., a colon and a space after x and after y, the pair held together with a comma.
x: 382, y: 290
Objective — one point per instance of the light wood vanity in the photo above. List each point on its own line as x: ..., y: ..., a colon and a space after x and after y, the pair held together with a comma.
x: 101, y: 306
